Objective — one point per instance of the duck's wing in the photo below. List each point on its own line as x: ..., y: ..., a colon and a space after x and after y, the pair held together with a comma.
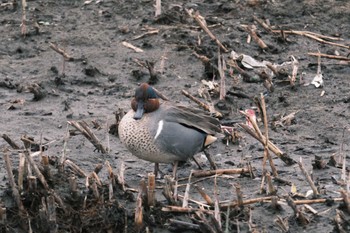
x: 194, y: 118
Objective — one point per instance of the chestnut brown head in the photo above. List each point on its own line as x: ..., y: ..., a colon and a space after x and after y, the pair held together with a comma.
x: 145, y: 100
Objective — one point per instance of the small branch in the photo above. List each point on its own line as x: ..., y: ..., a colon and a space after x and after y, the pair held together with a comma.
x: 263, y: 24
x: 151, y: 32
x: 13, y: 185
x: 297, y: 213
x: 200, y: 103
x: 138, y: 211
x: 239, y: 195
x: 197, y: 101
x: 36, y: 169
x: 24, y: 18
x: 342, y: 58
x: 201, y: 173
x: 295, y: 64
x: 284, y: 157
x: 314, y: 36
x: 315, y: 201
x: 12, y: 143
x: 130, y: 46
x: 308, y: 178
x: 205, y: 196
x: 151, y: 190
x: 65, y: 55
x: 86, y: 131
x: 187, y: 192
x: 255, y: 37
x: 201, y: 22
x: 77, y: 170
x: 346, y: 200
x: 234, y: 204
x: 221, y: 69
x: 158, y: 7
x: 178, y: 209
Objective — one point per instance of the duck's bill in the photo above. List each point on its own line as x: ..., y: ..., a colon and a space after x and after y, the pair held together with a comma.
x: 139, y: 111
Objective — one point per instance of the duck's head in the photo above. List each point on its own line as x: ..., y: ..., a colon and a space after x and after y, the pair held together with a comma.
x: 145, y: 100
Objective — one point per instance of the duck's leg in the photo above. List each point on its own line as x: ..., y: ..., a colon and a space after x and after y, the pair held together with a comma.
x: 199, y: 166
x: 156, y: 169
x: 212, y: 163
x: 176, y: 163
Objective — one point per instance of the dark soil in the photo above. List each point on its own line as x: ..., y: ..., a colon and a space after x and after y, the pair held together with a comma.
x: 40, y: 93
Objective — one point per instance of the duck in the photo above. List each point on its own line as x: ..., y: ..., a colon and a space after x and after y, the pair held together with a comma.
x: 165, y: 132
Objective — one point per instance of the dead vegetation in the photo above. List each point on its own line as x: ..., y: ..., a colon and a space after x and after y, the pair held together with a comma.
x: 56, y: 194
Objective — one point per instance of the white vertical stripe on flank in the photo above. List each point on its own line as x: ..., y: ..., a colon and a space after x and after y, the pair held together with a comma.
x: 159, y: 129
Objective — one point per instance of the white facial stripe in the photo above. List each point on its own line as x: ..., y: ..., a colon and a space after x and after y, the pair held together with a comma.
x: 159, y: 129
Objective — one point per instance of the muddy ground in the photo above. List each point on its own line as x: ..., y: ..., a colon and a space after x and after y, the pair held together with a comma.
x: 104, y: 73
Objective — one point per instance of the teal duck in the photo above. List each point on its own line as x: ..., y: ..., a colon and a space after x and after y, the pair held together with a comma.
x: 165, y: 132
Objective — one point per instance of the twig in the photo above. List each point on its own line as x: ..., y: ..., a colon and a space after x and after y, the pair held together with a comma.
x: 205, y: 196
x: 284, y: 157
x: 187, y: 192
x: 73, y: 185
x: 255, y: 37
x: 178, y: 224
x: 59, y: 200
x: 178, y: 209
x: 282, y: 224
x: 217, y: 212
x: 201, y: 173
x: 263, y: 24
x: 315, y: 201
x: 12, y: 143
x: 86, y: 131
x: 339, y: 220
x: 200, y: 103
x: 36, y: 169
x: 64, y: 151
x: 315, y: 36
x: 221, y: 69
x: 346, y: 200
x: 21, y: 170
x: 168, y: 190
x: 138, y: 211
x: 197, y: 101
x: 233, y: 204
x: 151, y: 190
x: 271, y: 188
x: 266, y: 141
x: 13, y: 185
x: 336, y: 57
x: 51, y: 212
x: 120, y: 177
x: 23, y: 24
x: 295, y: 64
x: 239, y: 195
x: 246, y: 76
x: 308, y: 178
x: 75, y: 168
x: 201, y: 22
x: 65, y: 55
x: 297, y: 213
x: 158, y: 7
x: 130, y: 46
x: 151, y: 32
